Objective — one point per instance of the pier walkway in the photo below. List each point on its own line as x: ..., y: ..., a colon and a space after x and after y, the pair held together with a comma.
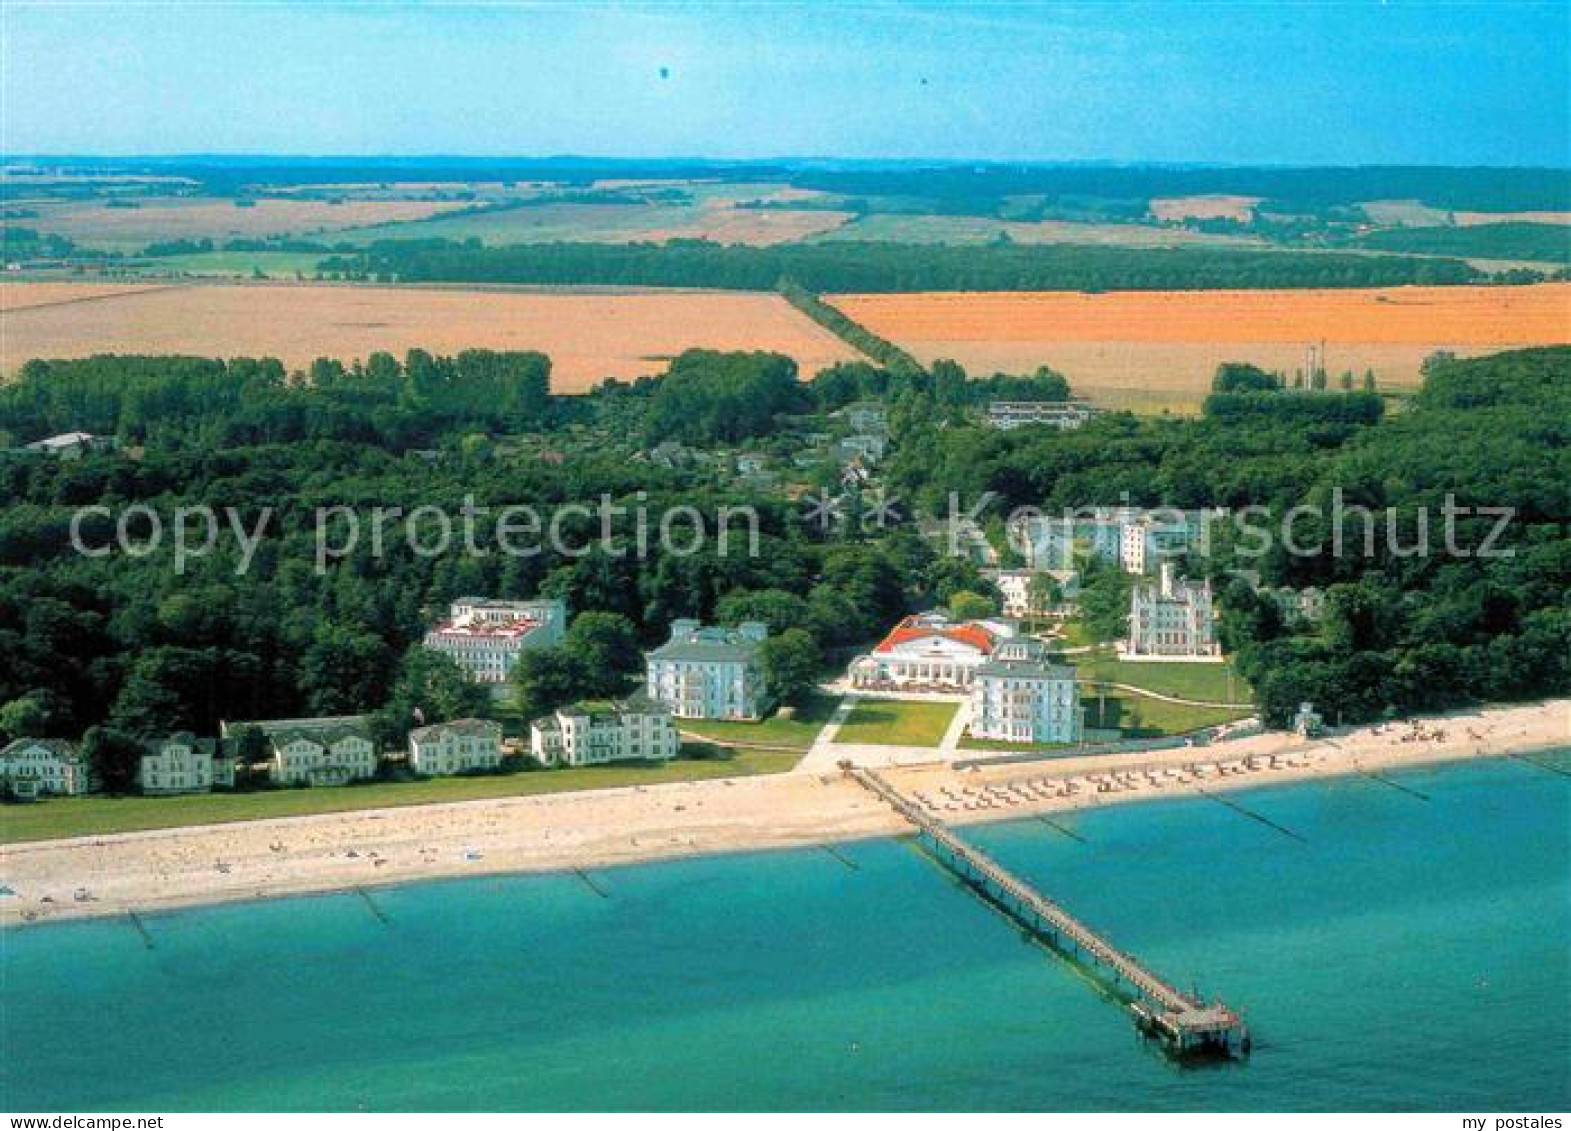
x: 1185, y: 1023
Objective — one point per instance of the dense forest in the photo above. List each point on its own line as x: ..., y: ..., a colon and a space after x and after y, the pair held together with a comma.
x: 131, y: 641
x: 846, y: 266
x: 1544, y: 243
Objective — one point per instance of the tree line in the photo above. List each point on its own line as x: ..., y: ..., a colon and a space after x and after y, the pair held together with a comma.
x: 847, y: 266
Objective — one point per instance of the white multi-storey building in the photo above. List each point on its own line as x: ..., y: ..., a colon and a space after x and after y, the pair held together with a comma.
x: 709, y: 673
x: 1138, y: 540
x: 456, y: 747
x: 328, y: 751
x: 1017, y: 696
x: 1063, y: 415
x: 486, y: 637
x: 30, y: 767
x: 1171, y: 619
x: 929, y: 652
x: 1016, y: 588
x: 585, y: 734
x: 183, y: 763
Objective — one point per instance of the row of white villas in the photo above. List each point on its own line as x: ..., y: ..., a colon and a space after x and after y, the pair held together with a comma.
x: 709, y: 672
x: 486, y: 637
x: 1138, y: 540
x: 181, y: 763
x: 1172, y: 618
x: 589, y: 734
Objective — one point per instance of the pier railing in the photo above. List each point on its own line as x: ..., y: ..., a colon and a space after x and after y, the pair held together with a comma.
x: 1184, y: 1021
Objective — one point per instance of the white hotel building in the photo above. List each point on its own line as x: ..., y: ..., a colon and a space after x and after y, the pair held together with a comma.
x: 709, y: 673
x: 1017, y: 696
x: 1138, y: 540
x: 486, y: 637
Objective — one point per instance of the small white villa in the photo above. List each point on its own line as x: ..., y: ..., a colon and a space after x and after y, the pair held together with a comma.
x: 183, y: 763
x: 585, y: 734
x: 456, y: 747
x: 328, y: 751
x: 32, y: 767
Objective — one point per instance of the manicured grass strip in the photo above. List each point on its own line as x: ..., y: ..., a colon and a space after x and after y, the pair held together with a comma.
x: 1186, y: 681
x: 84, y: 816
x: 798, y: 730
x: 1139, y: 717
x: 896, y: 722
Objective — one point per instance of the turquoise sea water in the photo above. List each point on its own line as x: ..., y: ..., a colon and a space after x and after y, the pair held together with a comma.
x: 1407, y: 953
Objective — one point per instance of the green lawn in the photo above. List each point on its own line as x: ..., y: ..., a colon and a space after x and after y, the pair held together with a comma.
x: 82, y: 816
x: 1187, y: 681
x: 1139, y: 717
x: 796, y: 731
x: 896, y: 722
x: 1075, y: 635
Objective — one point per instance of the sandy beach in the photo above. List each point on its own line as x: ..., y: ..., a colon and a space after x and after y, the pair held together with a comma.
x: 154, y: 870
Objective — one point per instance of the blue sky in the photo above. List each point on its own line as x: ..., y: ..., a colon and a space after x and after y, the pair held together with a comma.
x: 1240, y: 82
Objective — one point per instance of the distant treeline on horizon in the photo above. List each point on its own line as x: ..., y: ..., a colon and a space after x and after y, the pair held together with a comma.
x: 959, y: 185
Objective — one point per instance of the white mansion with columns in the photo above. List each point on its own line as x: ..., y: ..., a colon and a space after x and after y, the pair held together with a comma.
x: 929, y: 652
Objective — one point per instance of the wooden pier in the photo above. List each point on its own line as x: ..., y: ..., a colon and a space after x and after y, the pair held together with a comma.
x: 1186, y: 1024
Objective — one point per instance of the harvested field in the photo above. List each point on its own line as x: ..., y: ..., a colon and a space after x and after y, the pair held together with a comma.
x: 711, y: 214
x: 1473, y: 219
x: 158, y: 219
x: 588, y: 336
x: 1153, y: 350
x: 19, y: 296
x: 1174, y: 208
